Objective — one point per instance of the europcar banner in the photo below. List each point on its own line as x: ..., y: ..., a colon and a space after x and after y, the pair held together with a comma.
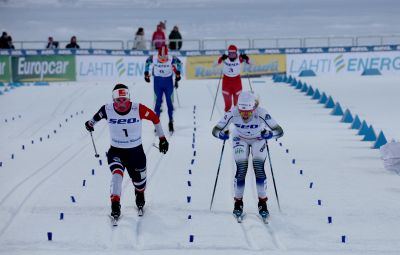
x: 5, y: 70
x: 43, y: 68
x: 344, y: 63
x: 205, y: 67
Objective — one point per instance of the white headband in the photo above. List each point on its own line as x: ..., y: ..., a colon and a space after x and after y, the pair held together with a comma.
x: 120, y: 93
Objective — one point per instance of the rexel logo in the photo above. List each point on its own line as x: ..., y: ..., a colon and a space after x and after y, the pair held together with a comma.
x: 119, y: 64
x: 339, y: 63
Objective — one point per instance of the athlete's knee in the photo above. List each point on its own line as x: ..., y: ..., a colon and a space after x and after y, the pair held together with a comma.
x: 241, y: 170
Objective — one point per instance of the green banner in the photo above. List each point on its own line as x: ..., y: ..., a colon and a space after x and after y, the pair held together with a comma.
x: 5, y: 71
x: 43, y: 68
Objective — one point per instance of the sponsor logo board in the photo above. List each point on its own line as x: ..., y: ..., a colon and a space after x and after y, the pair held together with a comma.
x: 205, y: 67
x: 344, y: 63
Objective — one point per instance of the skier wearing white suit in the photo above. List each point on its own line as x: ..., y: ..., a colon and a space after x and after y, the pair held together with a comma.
x: 253, y: 125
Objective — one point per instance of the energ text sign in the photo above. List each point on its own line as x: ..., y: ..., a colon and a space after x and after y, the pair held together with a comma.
x: 344, y: 63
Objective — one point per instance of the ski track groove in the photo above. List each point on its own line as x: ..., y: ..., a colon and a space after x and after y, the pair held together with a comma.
x: 29, y: 127
x: 40, y: 182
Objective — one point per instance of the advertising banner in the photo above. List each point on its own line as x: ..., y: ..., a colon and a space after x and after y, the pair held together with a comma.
x: 111, y: 68
x: 344, y: 63
x: 5, y: 70
x: 43, y: 68
x: 205, y: 67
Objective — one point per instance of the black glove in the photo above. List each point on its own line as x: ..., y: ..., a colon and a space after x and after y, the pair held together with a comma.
x: 224, y: 56
x: 244, y: 57
x: 163, y: 145
x: 89, y: 126
x: 176, y: 85
x: 147, y: 76
x: 177, y: 76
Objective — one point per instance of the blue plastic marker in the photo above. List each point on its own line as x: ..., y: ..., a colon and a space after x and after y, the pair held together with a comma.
x: 301, y: 171
x: 189, y: 217
x: 189, y: 183
x: 287, y: 150
x: 12, y: 156
x: 319, y: 202
x: 61, y: 216
x: 100, y: 162
x: 92, y: 171
x: 84, y: 183
x: 311, y: 184
x: 190, y: 171
x: 329, y: 219
x: 293, y: 161
x: 194, y: 153
x: 32, y: 142
x: 23, y: 147
x: 191, y: 238
x: 49, y: 236
x: 343, y: 239
x: 72, y: 199
x: 188, y: 199
x: 192, y: 161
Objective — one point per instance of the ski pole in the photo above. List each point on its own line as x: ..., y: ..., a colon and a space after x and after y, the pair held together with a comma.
x: 216, y: 93
x: 176, y: 91
x: 273, y: 178
x: 248, y: 77
x: 216, y: 178
x: 94, y: 146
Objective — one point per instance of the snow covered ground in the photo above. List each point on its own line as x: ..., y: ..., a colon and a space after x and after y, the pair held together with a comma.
x: 346, y: 175
x: 46, y: 154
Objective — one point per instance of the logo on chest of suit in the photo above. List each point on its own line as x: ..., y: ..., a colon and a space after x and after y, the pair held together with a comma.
x: 246, y: 126
x: 123, y: 121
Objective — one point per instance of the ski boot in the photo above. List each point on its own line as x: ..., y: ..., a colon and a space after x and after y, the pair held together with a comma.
x: 171, y: 127
x: 238, y: 210
x: 115, y: 212
x: 140, y: 201
x: 262, y: 209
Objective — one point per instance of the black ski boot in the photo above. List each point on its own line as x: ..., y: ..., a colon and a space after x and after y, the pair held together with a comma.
x: 139, y: 199
x: 171, y: 127
x: 262, y: 208
x: 115, y: 209
x: 238, y: 208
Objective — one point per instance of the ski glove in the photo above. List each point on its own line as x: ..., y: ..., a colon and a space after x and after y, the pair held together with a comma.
x: 147, y: 76
x: 177, y: 76
x: 89, y: 126
x: 223, y: 135
x: 163, y: 145
x: 176, y: 85
x: 224, y: 56
x: 266, y: 134
x: 244, y: 57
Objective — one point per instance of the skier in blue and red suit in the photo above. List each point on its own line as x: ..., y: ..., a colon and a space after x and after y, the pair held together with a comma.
x: 164, y: 66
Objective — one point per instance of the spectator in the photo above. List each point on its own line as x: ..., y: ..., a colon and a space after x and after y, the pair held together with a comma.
x: 140, y: 43
x: 4, y: 41
x: 163, y: 25
x: 175, y: 39
x: 73, y: 44
x: 10, y: 43
x: 51, y: 44
x: 158, y: 38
